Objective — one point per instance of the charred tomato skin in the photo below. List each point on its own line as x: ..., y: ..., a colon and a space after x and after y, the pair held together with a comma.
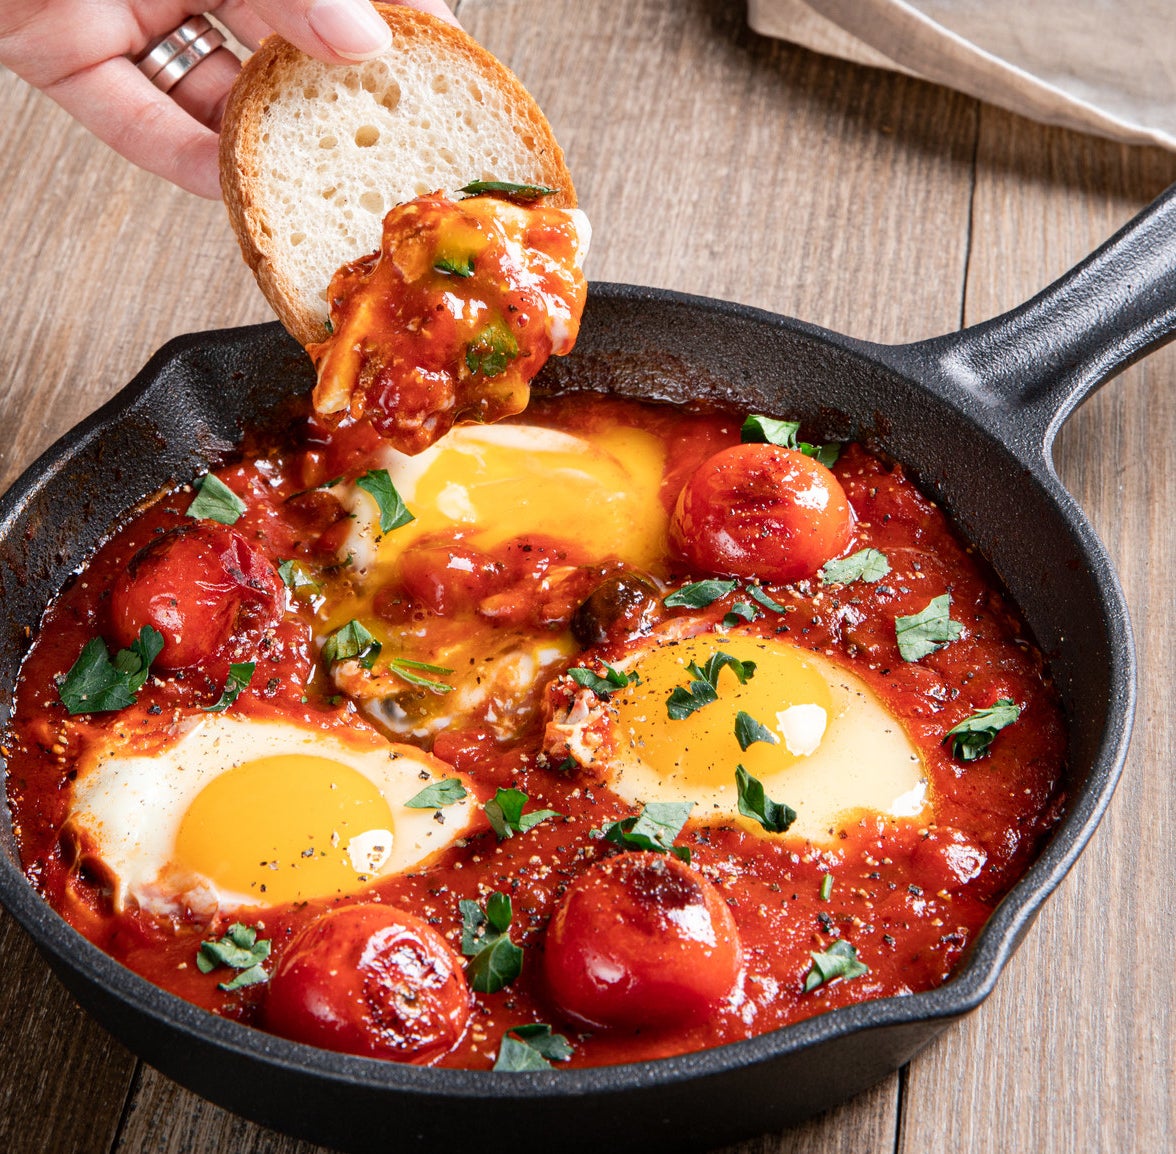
x: 371, y: 980
x: 762, y: 511
x: 202, y: 586
x: 641, y: 940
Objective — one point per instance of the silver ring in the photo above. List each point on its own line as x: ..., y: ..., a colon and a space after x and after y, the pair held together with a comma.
x: 169, y: 61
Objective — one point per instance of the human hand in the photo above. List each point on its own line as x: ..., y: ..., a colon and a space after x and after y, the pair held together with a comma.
x: 81, y: 53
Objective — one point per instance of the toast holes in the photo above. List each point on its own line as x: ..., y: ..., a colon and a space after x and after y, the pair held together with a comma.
x: 373, y: 202
x: 311, y: 92
x: 328, y: 193
x: 475, y: 91
x: 297, y: 237
x: 440, y: 83
x: 391, y: 97
x: 447, y: 156
x: 351, y: 83
x: 467, y: 118
x: 328, y: 142
x: 366, y: 135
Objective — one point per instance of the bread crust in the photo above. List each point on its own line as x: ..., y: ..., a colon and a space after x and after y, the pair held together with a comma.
x: 248, y: 154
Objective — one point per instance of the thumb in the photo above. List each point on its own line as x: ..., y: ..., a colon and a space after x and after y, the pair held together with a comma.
x: 336, y: 30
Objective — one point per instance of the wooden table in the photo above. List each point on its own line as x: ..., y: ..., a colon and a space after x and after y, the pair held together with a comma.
x: 713, y: 161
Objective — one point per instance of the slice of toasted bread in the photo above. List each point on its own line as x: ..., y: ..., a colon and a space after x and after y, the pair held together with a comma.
x: 313, y: 155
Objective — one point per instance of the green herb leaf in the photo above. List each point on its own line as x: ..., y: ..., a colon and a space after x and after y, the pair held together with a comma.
x: 438, y: 794
x: 768, y: 430
x: 928, y: 630
x: 700, y: 594
x: 757, y: 594
x: 393, y: 511
x: 972, y: 737
x: 504, y: 811
x: 240, y: 674
x: 296, y: 577
x: 703, y: 689
x: 95, y: 684
x: 612, y: 680
x: 508, y: 189
x: 215, y: 501
x: 772, y: 815
x: 748, y: 731
x: 864, y: 565
x: 240, y: 950
x: 654, y: 828
x: 839, y: 961
x: 532, y: 1047
x: 495, y: 961
x: 462, y: 266
x: 351, y: 641
x: 742, y: 611
x: 826, y: 887
x: 491, y: 351
x: 407, y: 671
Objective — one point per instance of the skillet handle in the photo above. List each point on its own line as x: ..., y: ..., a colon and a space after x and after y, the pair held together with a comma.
x: 1026, y: 371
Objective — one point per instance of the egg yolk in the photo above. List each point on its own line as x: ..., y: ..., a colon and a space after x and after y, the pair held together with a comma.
x: 786, y: 695
x: 286, y: 828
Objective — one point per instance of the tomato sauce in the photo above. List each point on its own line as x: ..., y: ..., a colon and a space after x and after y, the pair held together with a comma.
x: 909, y: 895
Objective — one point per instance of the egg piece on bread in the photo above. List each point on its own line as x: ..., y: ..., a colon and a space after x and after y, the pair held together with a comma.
x: 816, y: 736
x: 239, y: 812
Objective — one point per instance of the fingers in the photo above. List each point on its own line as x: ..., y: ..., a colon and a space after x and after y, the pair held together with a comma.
x: 117, y: 103
x: 202, y: 92
x: 336, y: 31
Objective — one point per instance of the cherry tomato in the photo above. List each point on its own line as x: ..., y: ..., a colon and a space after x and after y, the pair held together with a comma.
x: 370, y: 980
x: 200, y: 585
x: 761, y: 511
x: 450, y: 578
x: 641, y: 939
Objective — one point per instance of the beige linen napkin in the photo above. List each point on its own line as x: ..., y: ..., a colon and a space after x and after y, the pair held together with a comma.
x: 1101, y: 66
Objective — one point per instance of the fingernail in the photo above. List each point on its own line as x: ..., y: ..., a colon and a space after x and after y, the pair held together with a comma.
x: 349, y: 27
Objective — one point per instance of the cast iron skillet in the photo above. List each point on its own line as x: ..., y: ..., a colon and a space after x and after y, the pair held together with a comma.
x: 974, y: 414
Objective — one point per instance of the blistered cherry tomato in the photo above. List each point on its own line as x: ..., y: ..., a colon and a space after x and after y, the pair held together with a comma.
x: 761, y: 511
x: 450, y: 578
x: 200, y: 585
x: 370, y: 980
x: 641, y: 939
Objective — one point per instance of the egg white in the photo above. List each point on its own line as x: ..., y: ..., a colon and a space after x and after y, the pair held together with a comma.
x: 832, y: 764
x: 128, y: 806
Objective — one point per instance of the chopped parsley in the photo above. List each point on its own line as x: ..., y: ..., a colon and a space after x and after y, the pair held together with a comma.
x: 700, y: 594
x: 612, y: 680
x: 754, y: 803
x: 703, y: 688
x: 826, y: 887
x: 95, y: 684
x: 495, y: 961
x: 756, y: 593
x: 240, y: 674
x: 491, y: 351
x: 654, y: 828
x: 748, y: 731
x: 742, y: 611
x: 455, y: 265
x: 508, y: 189
x: 438, y: 794
x: 351, y: 641
x: 504, y: 812
x: 393, y: 511
x: 928, y: 630
x: 972, y: 737
x: 296, y: 577
x: 532, y: 1047
x: 838, y: 962
x: 238, y: 950
x: 215, y: 501
x: 410, y: 671
x: 768, y: 430
x: 864, y: 565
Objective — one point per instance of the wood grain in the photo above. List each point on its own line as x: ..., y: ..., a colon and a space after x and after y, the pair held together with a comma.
x: 711, y: 161
x: 1076, y: 1050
